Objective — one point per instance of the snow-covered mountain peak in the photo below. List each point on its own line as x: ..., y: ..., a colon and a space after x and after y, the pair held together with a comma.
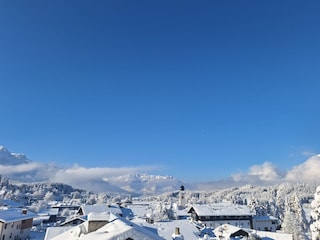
x: 8, y: 158
x: 3, y: 149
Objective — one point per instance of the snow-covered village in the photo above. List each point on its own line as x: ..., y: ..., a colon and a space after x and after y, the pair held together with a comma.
x: 57, y: 211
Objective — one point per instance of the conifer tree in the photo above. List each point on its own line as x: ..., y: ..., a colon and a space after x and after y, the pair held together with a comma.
x: 315, y: 215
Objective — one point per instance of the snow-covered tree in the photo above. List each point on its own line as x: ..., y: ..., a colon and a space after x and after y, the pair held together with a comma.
x: 92, y: 199
x: 162, y: 212
x: 37, y: 206
x: 75, y: 195
x: 259, y: 209
x: 294, y: 220
x: 49, y: 196
x: 315, y: 215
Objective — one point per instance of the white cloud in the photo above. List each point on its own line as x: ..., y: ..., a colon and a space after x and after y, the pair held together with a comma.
x: 307, y: 172
x: 265, y: 173
x: 22, y: 168
x: 28, y: 172
x: 80, y: 177
x: 92, y: 178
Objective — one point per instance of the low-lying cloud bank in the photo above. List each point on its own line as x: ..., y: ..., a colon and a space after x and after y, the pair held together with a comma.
x: 268, y: 173
x: 94, y: 179
x: 125, y: 179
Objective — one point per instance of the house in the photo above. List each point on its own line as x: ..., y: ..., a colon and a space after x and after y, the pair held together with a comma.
x: 217, y: 214
x: 65, y: 208
x: 99, y: 208
x: 49, y: 214
x: 227, y: 231
x: 266, y: 223
x: 15, y: 224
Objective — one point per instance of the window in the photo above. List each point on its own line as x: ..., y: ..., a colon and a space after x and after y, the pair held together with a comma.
x: 5, y: 226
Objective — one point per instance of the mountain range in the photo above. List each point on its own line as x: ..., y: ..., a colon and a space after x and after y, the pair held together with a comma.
x: 18, y: 168
x: 137, y: 181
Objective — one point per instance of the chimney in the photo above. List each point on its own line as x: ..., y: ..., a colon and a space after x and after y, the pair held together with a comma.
x: 24, y: 211
x: 177, y: 235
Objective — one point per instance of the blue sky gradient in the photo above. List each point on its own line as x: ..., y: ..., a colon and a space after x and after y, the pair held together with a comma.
x: 196, y: 89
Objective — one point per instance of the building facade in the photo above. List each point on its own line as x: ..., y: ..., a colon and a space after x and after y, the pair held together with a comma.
x: 266, y: 223
x: 15, y: 224
x: 215, y: 215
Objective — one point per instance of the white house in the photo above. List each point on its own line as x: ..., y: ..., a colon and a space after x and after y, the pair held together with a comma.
x: 214, y: 215
x: 15, y: 224
x: 265, y: 223
x: 99, y: 208
x: 227, y: 231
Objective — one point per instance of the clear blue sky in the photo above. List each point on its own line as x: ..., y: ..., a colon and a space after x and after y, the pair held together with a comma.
x: 202, y: 89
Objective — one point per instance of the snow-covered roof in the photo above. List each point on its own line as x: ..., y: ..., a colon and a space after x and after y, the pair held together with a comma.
x: 141, y: 210
x: 117, y: 228
x: 273, y: 235
x: 13, y: 215
x: 104, y: 216
x: 49, y: 211
x: 227, y: 230
x: 73, y: 218
x: 167, y: 228
x: 121, y: 229
x: 222, y: 209
x: 10, y: 203
x: 98, y: 208
x: 51, y: 232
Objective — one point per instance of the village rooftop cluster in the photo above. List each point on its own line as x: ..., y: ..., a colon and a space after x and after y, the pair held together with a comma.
x: 135, y: 218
